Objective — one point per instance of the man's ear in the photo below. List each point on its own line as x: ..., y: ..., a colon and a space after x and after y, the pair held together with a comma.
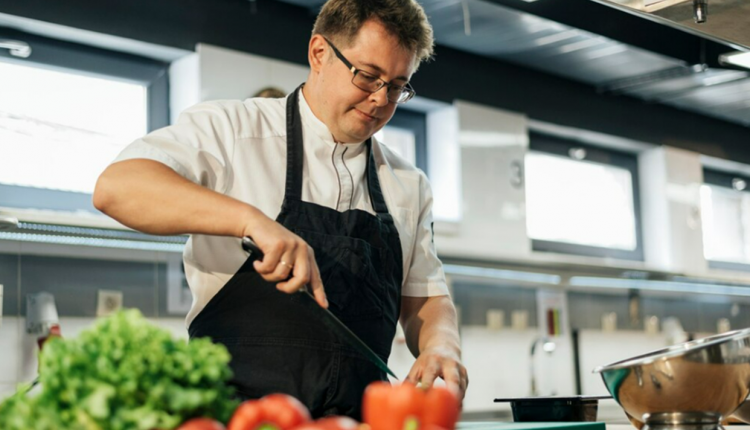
x: 317, y: 52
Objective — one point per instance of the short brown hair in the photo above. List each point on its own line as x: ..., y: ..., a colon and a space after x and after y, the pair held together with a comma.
x: 340, y: 20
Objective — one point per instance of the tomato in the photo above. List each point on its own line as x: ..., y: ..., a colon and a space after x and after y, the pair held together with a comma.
x: 201, y: 424
x: 275, y: 411
x: 406, y: 407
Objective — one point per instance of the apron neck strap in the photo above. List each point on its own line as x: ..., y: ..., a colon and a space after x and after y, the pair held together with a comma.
x: 294, y: 149
x: 373, y: 183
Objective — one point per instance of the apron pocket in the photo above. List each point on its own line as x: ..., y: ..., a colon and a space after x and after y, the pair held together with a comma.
x: 349, y: 275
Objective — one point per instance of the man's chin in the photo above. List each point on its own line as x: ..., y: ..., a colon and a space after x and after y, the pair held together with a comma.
x: 357, y: 136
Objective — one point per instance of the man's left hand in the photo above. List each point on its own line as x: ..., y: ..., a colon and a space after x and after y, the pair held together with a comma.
x: 440, y: 363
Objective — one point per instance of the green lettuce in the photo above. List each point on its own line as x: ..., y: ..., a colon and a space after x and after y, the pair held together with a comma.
x: 123, y: 373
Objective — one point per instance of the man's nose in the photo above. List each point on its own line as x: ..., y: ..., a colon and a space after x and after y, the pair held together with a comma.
x: 380, y: 97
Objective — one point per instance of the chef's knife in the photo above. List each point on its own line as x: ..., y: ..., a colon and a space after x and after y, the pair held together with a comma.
x: 326, y: 317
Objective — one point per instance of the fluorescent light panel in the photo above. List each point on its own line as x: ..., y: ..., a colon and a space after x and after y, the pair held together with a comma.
x: 642, y: 284
x: 90, y: 241
x: 501, y: 274
x: 739, y: 58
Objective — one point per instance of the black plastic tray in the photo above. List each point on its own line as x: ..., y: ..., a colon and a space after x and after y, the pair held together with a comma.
x: 554, y: 409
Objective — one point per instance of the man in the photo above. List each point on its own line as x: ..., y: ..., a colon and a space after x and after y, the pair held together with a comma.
x: 328, y: 205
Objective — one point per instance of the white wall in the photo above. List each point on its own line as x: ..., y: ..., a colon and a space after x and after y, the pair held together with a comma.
x: 214, y: 73
x: 492, y: 225
x: 444, y: 166
x: 228, y: 74
x: 670, y: 181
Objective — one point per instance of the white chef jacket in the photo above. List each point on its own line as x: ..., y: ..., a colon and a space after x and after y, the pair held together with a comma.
x: 239, y: 149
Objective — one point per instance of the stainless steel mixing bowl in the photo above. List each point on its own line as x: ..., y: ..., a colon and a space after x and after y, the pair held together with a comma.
x: 697, y: 382
x: 743, y: 412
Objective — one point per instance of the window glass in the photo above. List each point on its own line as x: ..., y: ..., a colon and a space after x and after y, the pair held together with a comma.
x: 579, y: 202
x: 402, y: 141
x: 406, y: 134
x: 725, y: 215
x: 59, y: 129
x: 66, y: 111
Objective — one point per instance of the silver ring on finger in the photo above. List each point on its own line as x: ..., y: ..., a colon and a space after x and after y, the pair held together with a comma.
x: 284, y: 263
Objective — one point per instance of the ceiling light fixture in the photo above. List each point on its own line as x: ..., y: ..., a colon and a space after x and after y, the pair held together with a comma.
x: 654, y: 285
x: 501, y: 274
x: 8, y: 222
x: 16, y: 48
x: 738, y: 58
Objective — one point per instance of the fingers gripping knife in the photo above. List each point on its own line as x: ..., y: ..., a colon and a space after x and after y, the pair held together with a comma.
x: 325, y: 316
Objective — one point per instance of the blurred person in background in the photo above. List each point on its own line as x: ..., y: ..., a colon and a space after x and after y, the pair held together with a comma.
x: 271, y: 93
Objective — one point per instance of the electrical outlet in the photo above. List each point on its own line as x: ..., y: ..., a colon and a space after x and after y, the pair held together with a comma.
x: 108, y: 302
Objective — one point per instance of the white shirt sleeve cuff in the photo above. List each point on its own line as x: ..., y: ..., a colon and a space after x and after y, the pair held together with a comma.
x: 135, y: 151
x: 425, y: 289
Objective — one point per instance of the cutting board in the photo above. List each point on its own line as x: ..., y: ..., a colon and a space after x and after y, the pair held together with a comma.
x: 531, y: 426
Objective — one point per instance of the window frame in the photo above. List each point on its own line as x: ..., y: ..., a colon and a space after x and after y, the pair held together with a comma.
x: 723, y: 179
x: 416, y: 122
x: 550, y: 144
x: 68, y: 56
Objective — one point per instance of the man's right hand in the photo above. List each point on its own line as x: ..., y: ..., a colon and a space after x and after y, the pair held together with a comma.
x: 127, y: 190
x: 287, y: 258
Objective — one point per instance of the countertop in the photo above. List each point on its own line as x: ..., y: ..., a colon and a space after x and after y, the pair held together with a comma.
x: 504, y: 425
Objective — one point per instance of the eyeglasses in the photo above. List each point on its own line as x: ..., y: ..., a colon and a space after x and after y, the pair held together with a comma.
x: 368, y: 82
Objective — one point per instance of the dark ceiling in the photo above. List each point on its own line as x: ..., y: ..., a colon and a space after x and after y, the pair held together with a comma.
x: 585, y: 41
x: 612, y: 93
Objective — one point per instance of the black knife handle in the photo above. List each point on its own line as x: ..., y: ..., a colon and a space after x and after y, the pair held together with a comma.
x: 256, y: 254
x: 249, y: 246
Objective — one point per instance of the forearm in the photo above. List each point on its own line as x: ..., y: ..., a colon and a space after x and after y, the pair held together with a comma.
x: 150, y: 197
x: 430, y: 323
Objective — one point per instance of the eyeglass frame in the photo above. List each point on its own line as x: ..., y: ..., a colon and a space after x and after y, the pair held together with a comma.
x: 407, y: 86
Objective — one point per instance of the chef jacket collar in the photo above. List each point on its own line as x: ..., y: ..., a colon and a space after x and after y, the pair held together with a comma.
x: 321, y: 131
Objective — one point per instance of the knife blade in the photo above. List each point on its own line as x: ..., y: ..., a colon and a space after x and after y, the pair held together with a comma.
x: 325, y: 316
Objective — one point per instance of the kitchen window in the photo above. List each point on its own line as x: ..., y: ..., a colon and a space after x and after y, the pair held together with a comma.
x: 66, y: 111
x: 725, y: 210
x: 406, y: 134
x: 582, y: 199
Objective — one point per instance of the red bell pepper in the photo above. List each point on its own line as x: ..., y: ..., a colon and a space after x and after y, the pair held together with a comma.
x: 332, y: 423
x: 272, y: 412
x: 406, y: 407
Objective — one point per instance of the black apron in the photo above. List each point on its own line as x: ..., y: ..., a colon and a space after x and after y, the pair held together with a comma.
x: 276, y: 345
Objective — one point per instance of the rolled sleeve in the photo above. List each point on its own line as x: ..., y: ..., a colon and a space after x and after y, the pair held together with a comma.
x: 199, y: 146
x: 426, y: 277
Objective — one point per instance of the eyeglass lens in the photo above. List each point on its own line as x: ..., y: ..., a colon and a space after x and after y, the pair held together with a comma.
x: 371, y: 83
